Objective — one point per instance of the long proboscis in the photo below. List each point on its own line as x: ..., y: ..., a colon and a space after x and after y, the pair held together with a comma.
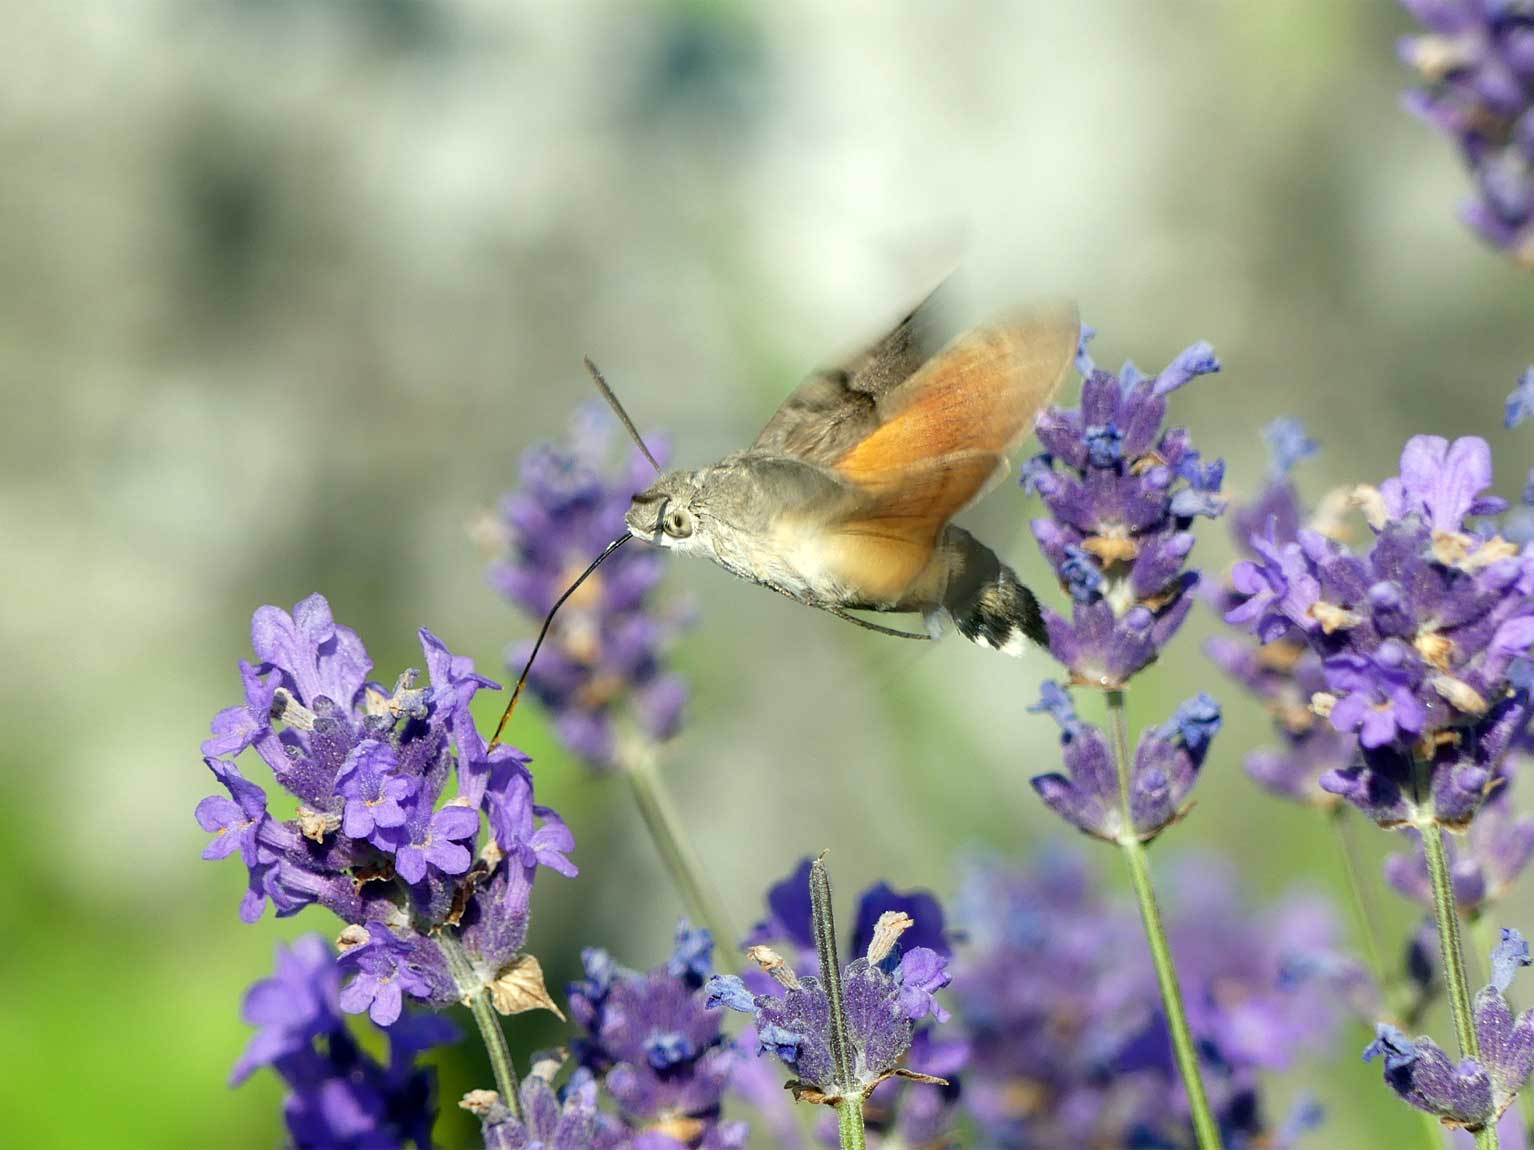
x: 623, y: 416
x: 516, y: 692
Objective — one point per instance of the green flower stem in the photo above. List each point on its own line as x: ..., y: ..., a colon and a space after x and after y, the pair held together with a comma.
x: 477, y: 995
x: 849, y: 1106
x: 824, y: 922
x: 1205, y: 1129
x: 1451, y: 947
x: 849, y: 1123
x: 660, y: 818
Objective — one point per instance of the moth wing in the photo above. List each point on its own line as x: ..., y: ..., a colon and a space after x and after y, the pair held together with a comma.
x: 911, y: 452
x: 837, y: 407
x: 981, y: 393
x: 879, y: 538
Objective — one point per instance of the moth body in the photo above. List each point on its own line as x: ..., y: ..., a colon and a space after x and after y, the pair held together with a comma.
x: 844, y: 500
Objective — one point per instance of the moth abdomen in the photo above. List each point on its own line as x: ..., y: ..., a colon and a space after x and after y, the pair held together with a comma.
x: 988, y: 604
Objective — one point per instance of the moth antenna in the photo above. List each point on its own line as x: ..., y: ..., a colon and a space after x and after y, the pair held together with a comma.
x: 516, y: 692
x: 623, y: 416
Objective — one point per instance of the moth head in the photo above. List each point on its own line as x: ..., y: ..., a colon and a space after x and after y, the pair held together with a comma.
x: 666, y: 512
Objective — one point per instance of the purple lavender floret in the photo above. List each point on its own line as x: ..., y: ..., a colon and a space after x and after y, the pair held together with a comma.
x: 371, y: 839
x: 604, y: 664
x: 374, y: 793
x: 1476, y: 1091
x: 656, y: 1041
x: 1122, y: 494
x: 1419, y: 636
x: 1477, y: 59
x: 386, y: 967
x: 339, y: 1096
x: 1166, y: 766
x: 1068, y: 1043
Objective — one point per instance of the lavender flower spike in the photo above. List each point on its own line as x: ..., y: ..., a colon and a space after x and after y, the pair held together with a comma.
x: 1477, y: 63
x: 884, y: 994
x: 921, y: 1113
x: 1122, y: 495
x: 1418, y: 637
x: 656, y: 1041
x: 1166, y: 766
x: 373, y: 839
x: 604, y: 665
x: 1474, y: 1093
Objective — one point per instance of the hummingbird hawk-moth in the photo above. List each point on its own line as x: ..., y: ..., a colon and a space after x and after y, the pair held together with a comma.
x: 844, y: 500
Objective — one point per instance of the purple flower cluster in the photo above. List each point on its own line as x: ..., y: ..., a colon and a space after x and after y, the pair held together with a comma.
x: 1165, y: 767
x: 367, y: 767
x: 1477, y: 1091
x: 339, y: 1097
x: 604, y: 662
x: 1284, y: 672
x: 550, y: 1120
x: 655, y: 1041
x: 1122, y: 494
x: 902, y: 1066
x: 1477, y: 57
x: 1422, y: 638
x: 906, y: 1111
x: 1068, y: 1042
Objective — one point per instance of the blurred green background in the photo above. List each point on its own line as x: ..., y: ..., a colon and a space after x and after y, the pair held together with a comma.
x: 286, y: 287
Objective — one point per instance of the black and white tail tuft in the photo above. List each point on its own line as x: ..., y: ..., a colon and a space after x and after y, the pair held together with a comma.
x: 987, y: 603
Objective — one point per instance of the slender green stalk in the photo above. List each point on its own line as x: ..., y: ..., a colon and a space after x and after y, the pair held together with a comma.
x: 849, y: 1107
x: 660, y: 818
x: 1205, y: 1128
x: 1451, y: 947
x: 849, y: 1123
x: 489, y: 1023
x: 824, y: 921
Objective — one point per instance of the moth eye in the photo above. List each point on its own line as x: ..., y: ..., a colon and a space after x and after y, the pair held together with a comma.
x: 678, y: 523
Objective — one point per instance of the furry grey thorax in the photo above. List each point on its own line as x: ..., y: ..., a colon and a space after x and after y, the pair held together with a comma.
x: 750, y: 514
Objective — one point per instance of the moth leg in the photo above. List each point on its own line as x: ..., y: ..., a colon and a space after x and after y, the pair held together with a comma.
x: 840, y: 614
x: 876, y: 627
